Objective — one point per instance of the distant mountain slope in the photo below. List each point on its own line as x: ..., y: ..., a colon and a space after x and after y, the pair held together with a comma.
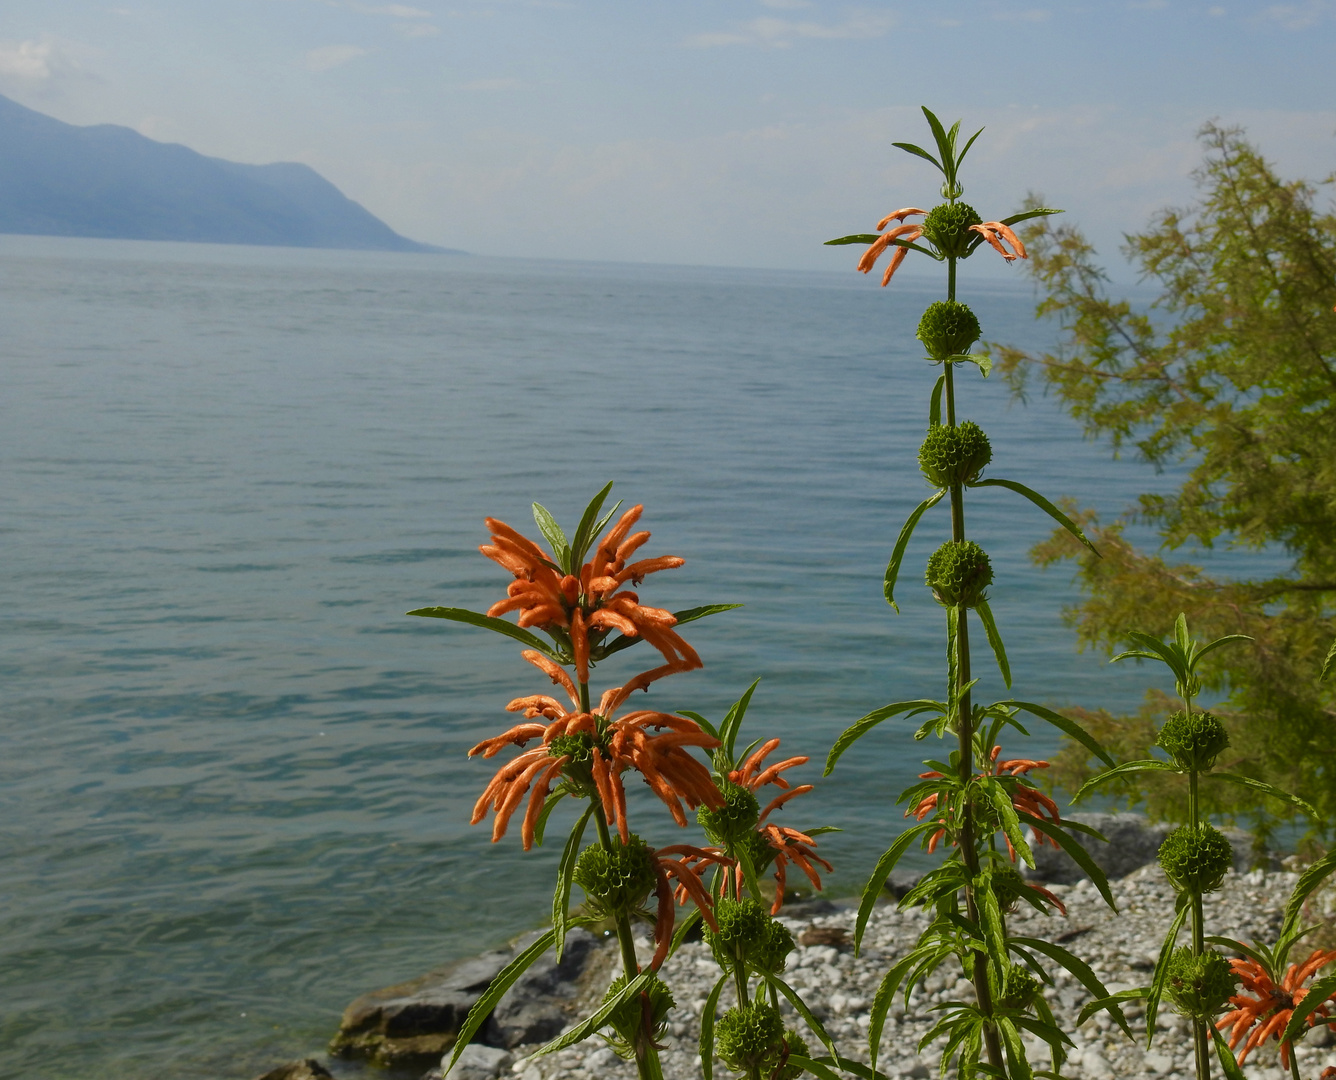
x: 108, y: 181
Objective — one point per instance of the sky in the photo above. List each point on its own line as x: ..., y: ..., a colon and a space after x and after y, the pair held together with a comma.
x: 699, y: 132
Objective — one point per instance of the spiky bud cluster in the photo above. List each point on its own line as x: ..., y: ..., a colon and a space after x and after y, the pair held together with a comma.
x: 1196, y: 860
x: 954, y: 455
x: 948, y: 329
x: 747, y: 934
x: 733, y: 821
x: 959, y: 572
x: 616, y: 880
x: 1193, y: 741
x: 750, y: 1037
x: 1018, y: 988
x: 947, y: 228
x: 1199, y: 985
x: 628, y: 1019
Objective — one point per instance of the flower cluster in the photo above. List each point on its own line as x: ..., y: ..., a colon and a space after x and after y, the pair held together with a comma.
x: 1266, y: 1014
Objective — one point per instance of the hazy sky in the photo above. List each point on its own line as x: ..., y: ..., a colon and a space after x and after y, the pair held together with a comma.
x: 733, y: 132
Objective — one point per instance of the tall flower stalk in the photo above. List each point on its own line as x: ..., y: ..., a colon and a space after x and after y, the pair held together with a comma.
x: 968, y: 800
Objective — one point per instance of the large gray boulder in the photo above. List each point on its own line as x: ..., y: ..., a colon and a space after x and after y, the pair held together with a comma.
x: 420, y: 1018
x: 1130, y: 842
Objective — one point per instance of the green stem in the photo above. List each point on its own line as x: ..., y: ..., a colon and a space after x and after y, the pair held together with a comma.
x: 1294, y: 1064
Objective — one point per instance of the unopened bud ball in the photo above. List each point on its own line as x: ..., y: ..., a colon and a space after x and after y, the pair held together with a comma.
x: 749, y: 1037
x: 954, y: 455
x: 616, y: 880
x: 947, y: 228
x: 1199, y: 985
x: 948, y: 329
x: 1196, y: 859
x: 959, y: 572
x: 1194, y: 742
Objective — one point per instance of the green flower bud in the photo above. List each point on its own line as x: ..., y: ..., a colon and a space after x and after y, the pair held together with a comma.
x: 616, y: 881
x: 747, y: 932
x: 948, y: 329
x: 1194, y: 742
x: 1199, y: 985
x: 958, y: 573
x: 947, y: 228
x: 1018, y: 989
x: 734, y: 820
x: 627, y: 1020
x: 1196, y: 860
x: 745, y: 1038
x: 954, y: 455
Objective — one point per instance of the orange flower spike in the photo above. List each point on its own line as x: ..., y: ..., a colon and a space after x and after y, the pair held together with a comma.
x: 510, y: 801
x: 885, y: 240
x: 900, y: 215
x: 995, y: 232
x: 781, y: 799
x: 516, y: 736
x: 630, y: 546
x: 771, y: 775
x: 743, y: 776
x: 555, y: 672
x: 580, y: 645
x: 537, y: 799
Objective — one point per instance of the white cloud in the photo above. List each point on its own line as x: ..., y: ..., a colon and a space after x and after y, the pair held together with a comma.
x: 782, y: 33
x: 331, y: 56
x: 1298, y: 16
x: 34, y: 61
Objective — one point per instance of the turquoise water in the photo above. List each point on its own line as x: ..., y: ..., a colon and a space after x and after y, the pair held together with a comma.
x: 234, y: 786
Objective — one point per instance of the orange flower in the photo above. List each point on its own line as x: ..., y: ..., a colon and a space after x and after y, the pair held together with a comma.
x: 1026, y: 799
x: 1266, y: 1015
x: 901, y: 232
x: 687, y: 870
x: 611, y: 746
x: 995, y: 232
x: 594, y: 602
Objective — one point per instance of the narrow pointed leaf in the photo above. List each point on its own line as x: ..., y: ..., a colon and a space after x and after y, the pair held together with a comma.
x: 910, y: 245
x: 893, y: 567
x: 816, y: 1068
x: 1017, y: 218
x: 935, y: 417
x: 1043, y: 504
x: 549, y: 804
x: 1318, y: 993
x: 487, y: 622
x: 800, y: 1006
x: 1228, y: 1063
x: 556, y: 539
x: 961, y: 156
x: 1309, y: 880
x: 1079, y: 854
x: 1265, y: 789
x: 918, y: 151
x: 1228, y: 639
x: 595, y: 1021
x: 728, y: 730
x: 1081, y: 970
x: 1329, y: 664
x: 704, y: 723
x: 561, y: 898
x: 683, y: 929
x: 859, y: 728
x: 1001, y: 801
x: 1162, y: 972
x: 1128, y: 768
x: 1064, y: 724
x: 707, y: 1029
x: 857, y: 1068
x: 995, y: 640
x: 881, y: 1003
x: 1091, y: 1007
x: 875, y: 884
x: 855, y: 238
x: 584, y: 532
x: 482, y: 1008
x: 944, y: 146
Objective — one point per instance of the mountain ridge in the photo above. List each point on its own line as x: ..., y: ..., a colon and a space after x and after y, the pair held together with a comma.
x: 108, y: 181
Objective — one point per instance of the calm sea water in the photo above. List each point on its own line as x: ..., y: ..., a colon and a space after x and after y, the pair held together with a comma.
x: 234, y: 786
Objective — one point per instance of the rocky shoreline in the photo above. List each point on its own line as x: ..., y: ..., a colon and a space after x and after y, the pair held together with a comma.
x: 413, y: 1023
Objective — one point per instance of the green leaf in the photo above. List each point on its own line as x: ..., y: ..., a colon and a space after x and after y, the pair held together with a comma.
x: 487, y: 622
x: 1078, y: 854
x: 815, y: 1067
x: 858, y: 1069
x: 918, y: 151
x: 1228, y: 639
x: 1081, y: 970
x: 859, y: 728
x: 1017, y: 218
x: 877, y: 881
x: 728, y: 730
x: 1309, y: 880
x: 584, y: 533
x: 1091, y: 1007
x: 1329, y: 664
x: 995, y: 640
x: 990, y: 916
x: 1127, y: 768
x: 1001, y: 800
x: 556, y: 539
x: 982, y: 360
x: 856, y: 238
x: 1162, y: 972
x: 1067, y: 726
x: 549, y: 804
x: 935, y: 408
x: 945, y: 143
x: 561, y: 898
x: 683, y: 929
x: 704, y: 723
x: 800, y: 1007
x: 1043, y: 504
x: 592, y: 1023
x: 707, y: 1029
x: 893, y: 567
x: 482, y: 1008
x: 961, y: 156
x: 1228, y: 1063
x: 1265, y: 789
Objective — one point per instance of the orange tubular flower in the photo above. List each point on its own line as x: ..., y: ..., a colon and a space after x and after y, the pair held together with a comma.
x: 910, y: 232
x: 593, y: 602
x: 1026, y: 799
x: 1266, y: 1015
x: 789, y: 845
x: 995, y: 232
x: 613, y: 746
x: 687, y: 870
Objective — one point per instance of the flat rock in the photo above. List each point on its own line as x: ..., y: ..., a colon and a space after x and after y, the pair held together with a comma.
x: 305, y: 1069
x: 419, y: 1018
x: 476, y: 1062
